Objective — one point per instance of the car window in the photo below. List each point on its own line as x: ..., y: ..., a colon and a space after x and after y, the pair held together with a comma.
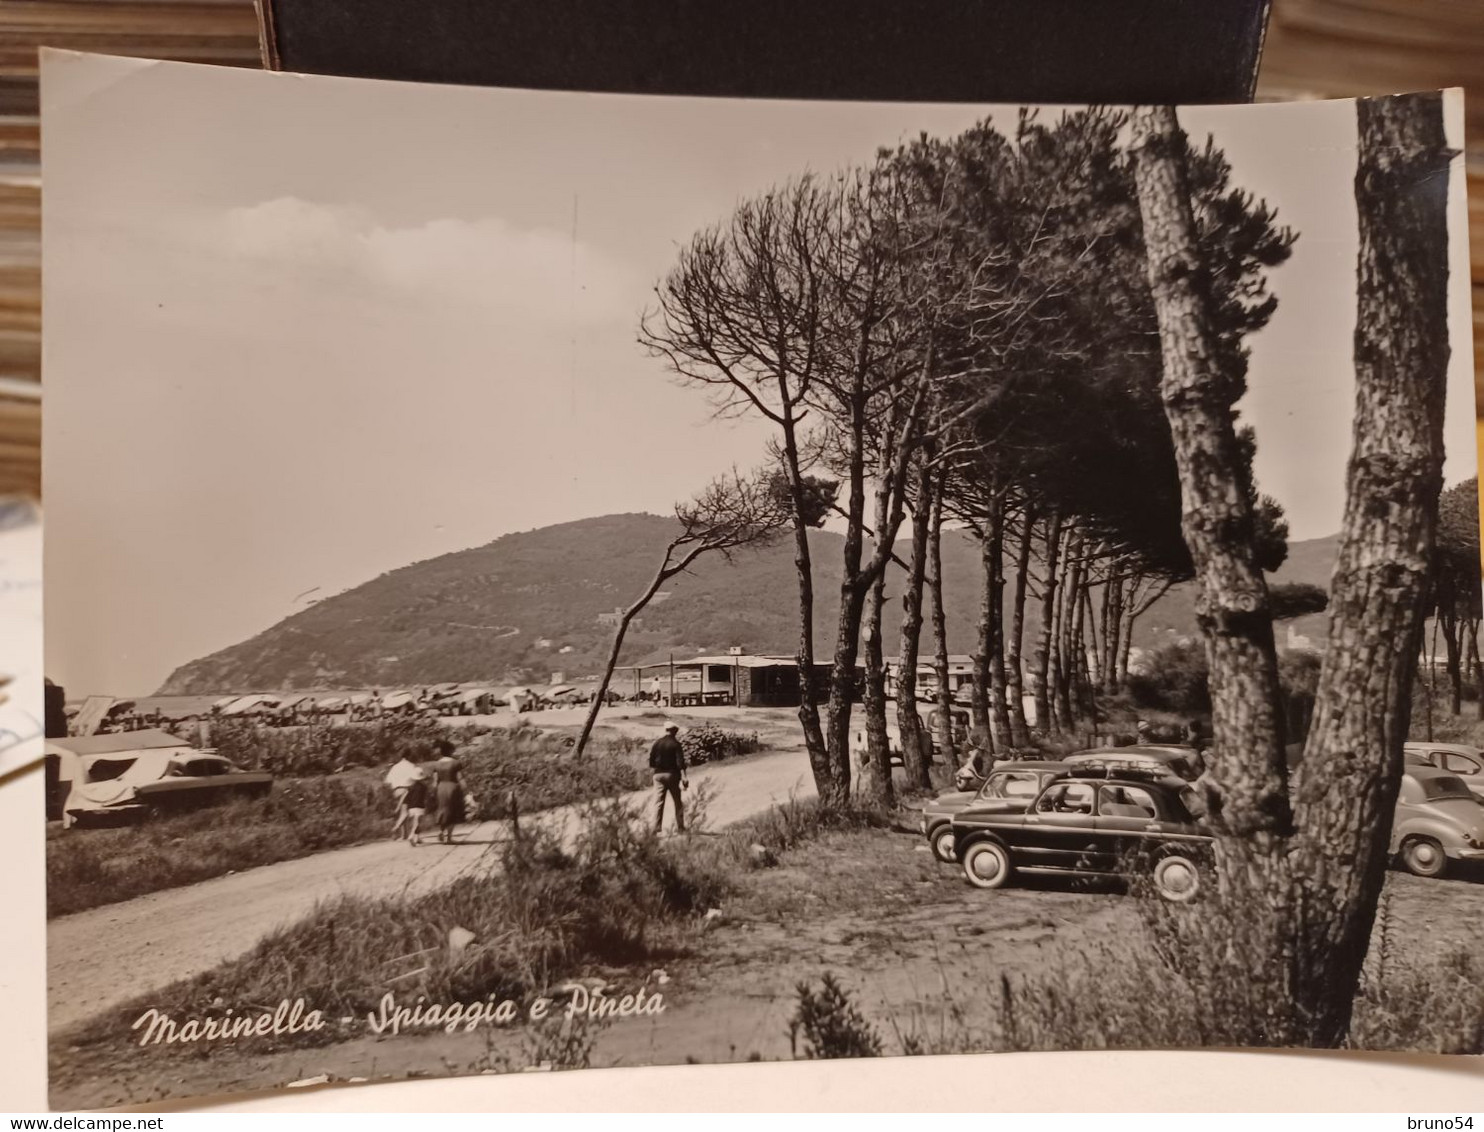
x: 1012, y: 784
x: 1441, y: 787
x: 1126, y: 802
x: 1067, y: 798
x: 1461, y: 764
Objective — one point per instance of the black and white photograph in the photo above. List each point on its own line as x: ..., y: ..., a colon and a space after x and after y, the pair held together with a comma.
x: 545, y: 581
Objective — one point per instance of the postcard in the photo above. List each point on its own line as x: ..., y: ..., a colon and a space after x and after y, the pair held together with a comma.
x: 547, y: 581
x: 21, y: 698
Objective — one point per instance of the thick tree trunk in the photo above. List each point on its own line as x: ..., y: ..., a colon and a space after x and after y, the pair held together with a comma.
x: 1246, y: 785
x: 1014, y: 664
x: 1066, y: 651
x: 979, y: 703
x: 814, y: 740
x: 1477, y: 667
x: 999, y: 716
x: 915, y: 755
x: 1346, y: 786
x: 1247, y: 759
x: 1042, y: 658
x: 873, y: 702
x: 944, y: 735
x: 847, y: 636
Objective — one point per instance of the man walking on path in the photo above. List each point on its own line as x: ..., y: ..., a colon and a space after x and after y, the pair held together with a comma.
x: 667, y: 762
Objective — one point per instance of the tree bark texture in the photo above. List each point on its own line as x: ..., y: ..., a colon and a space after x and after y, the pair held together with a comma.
x: 1014, y: 663
x: 1249, y: 799
x: 873, y: 700
x: 1346, y: 785
x: 915, y: 755
x: 945, y: 736
x: 1048, y: 611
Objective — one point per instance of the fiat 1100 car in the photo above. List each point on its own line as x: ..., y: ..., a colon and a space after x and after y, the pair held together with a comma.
x: 1117, y: 826
x: 1010, y: 787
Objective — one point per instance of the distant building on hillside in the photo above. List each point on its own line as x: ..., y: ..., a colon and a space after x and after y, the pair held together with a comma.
x: 1294, y: 640
x: 611, y: 620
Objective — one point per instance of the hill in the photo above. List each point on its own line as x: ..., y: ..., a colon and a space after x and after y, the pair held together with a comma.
x: 528, y: 604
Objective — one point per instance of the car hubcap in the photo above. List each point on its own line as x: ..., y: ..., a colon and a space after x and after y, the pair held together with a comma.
x: 1425, y: 855
x: 986, y: 866
x: 945, y: 847
x: 1178, y: 879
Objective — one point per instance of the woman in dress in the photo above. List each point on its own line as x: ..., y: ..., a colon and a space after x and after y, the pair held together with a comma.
x: 448, y: 792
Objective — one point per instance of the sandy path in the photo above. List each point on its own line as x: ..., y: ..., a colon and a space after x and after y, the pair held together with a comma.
x: 107, y: 955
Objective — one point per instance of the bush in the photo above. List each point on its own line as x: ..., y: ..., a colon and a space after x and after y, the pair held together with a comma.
x: 830, y: 1025
x: 541, y: 771
x: 710, y: 743
x: 1173, y: 678
x: 615, y: 894
x: 322, y: 748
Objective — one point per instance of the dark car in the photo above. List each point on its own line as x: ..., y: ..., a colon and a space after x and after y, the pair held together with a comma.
x: 1146, y: 758
x: 1008, y: 788
x: 1118, y: 825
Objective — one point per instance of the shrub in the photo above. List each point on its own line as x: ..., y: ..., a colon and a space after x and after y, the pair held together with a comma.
x: 1173, y: 678
x: 541, y: 771
x: 829, y: 1025
x: 614, y: 894
x: 322, y: 748
x: 710, y: 743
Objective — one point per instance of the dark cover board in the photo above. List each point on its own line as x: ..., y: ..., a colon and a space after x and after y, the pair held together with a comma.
x: 1108, y: 51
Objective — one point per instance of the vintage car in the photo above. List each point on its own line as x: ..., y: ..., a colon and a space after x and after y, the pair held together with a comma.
x: 1181, y: 762
x: 1438, y: 821
x: 1009, y: 787
x: 1456, y: 758
x: 1119, y: 826
x: 132, y: 772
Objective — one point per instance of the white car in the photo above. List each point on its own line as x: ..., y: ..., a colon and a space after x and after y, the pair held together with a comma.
x: 1456, y: 758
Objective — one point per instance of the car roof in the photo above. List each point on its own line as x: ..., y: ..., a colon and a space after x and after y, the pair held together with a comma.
x: 1154, y: 750
x: 1032, y: 764
x: 1422, y: 772
x: 1454, y: 748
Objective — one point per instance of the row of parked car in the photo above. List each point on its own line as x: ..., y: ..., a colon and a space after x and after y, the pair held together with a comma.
x: 1133, y: 810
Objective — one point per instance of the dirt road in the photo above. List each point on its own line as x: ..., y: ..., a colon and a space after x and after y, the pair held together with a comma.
x: 109, y: 954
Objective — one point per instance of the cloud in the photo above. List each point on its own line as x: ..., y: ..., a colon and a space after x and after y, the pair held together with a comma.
x: 487, y: 265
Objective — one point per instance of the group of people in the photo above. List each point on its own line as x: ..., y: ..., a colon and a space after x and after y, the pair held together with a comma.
x: 419, y: 786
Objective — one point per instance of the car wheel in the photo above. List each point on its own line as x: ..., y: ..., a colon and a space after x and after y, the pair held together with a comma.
x: 1177, y: 879
x: 941, y: 843
x: 1424, y: 857
x: 987, y: 864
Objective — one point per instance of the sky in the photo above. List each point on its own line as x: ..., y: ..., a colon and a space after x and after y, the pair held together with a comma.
x: 304, y: 330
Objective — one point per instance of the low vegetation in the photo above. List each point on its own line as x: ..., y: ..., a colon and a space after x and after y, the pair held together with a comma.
x: 304, y: 815
x: 542, y: 910
x: 322, y: 748
x: 710, y: 743
x: 1143, y: 989
x: 89, y: 867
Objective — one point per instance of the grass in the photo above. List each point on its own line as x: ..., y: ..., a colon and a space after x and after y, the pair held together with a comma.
x: 91, y: 867
x: 616, y: 896
x: 322, y: 748
x: 1126, y: 993
x: 86, y: 868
